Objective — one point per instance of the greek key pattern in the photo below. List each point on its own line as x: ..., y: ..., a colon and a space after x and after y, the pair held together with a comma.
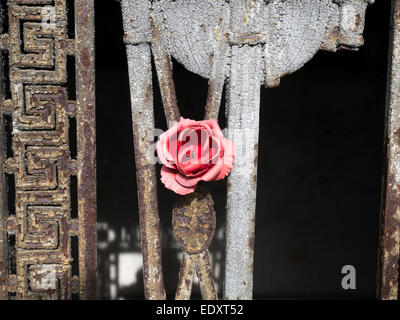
x: 40, y: 233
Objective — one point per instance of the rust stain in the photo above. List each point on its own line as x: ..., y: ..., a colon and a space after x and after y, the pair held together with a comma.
x: 149, y: 221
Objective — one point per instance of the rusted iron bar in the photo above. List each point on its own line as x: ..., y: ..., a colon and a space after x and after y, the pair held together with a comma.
x: 219, y: 68
x: 390, y: 217
x: 199, y: 263
x: 185, y: 278
x: 205, y: 276
x: 86, y: 141
x: 3, y: 192
x: 243, y: 126
x: 163, y: 64
x: 136, y: 18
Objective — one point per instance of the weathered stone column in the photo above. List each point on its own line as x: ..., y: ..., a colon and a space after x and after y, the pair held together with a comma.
x: 243, y: 124
x: 242, y: 113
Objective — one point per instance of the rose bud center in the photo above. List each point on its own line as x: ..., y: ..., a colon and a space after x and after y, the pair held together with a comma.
x: 197, y: 150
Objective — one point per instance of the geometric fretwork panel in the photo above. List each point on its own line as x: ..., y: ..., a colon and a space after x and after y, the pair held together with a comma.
x: 47, y: 212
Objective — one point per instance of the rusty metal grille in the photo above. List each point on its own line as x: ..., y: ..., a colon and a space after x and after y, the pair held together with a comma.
x: 48, y: 208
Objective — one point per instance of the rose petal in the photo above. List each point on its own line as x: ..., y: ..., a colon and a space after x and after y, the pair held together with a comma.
x: 209, y: 175
x: 216, y: 150
x: 216, y: 130
x: 228, y: 159
x: 188, y: 123
x: 184, y: 123
x: 208, y: 156
x: 168, y: 178
x: 188, y: 182
x: 183, y: 176
x: 160, y: 153
x: 187, y: 164
x: 169, y: 143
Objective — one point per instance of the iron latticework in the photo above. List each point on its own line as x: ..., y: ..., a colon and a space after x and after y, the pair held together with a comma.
x: 48, y: 212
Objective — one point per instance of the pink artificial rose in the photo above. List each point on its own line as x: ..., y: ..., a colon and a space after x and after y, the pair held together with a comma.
x: 193, y: 151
